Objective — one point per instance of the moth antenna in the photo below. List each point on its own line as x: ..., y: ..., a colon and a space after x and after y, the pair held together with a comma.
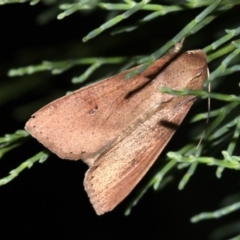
x: 177, y: 47
x: 208, y: 116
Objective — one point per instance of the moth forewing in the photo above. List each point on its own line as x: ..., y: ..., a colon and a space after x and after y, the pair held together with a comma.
x: 120, y: 127
x: 83, y: 124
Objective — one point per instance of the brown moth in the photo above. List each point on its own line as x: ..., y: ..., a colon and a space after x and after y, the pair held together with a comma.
x: 120, y: 127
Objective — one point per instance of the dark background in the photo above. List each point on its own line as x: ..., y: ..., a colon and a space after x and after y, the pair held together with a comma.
x: 48, y: 201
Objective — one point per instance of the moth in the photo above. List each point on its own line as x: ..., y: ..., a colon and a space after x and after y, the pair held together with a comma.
x: 118, y: 127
